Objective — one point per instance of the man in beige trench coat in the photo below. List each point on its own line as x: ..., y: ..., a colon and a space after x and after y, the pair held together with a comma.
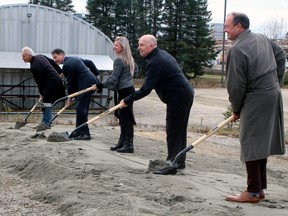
x: 255, y: 67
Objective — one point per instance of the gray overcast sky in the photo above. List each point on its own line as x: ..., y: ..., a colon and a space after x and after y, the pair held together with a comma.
x: 259, y: 11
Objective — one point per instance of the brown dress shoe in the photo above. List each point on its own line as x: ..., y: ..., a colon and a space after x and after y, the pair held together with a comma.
x: 244, y: 197
x: 262, y: 195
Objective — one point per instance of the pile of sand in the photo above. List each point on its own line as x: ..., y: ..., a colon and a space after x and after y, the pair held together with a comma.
x: 57, y: 137
x: 85, y: 178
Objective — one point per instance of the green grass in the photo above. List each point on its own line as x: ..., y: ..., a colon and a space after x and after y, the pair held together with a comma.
x: 212, y: 76
x: 205, y: 81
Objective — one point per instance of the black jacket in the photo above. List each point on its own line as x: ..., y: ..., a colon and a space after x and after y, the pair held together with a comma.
x: 47, y: 78
x: 91, y: 66
x: 77, y: 75
x: 164, y: 74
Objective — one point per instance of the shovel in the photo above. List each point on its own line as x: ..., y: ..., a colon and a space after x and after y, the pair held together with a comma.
x: 18, y: 125
x: 66, y: 136
x: 57, y: 114
x: 66, y: 97
x: 92, y: 88
x: 172, y: 166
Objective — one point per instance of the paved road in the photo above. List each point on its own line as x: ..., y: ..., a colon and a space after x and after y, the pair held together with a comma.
x: 207, y: 110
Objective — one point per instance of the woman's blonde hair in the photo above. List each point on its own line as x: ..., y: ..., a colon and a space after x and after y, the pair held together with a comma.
x: 126, y: 55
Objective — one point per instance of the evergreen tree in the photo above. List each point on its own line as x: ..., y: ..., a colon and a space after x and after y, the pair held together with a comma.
x: 119, y: 18
x: 122, y: 10
x: 135, y: 29
x: 146, y: 20
x: 186, y: 34
x: 169, y: 38
x: 198, y: 40
x: 154, y: 12
x: 64, y: 5
x: 181, y: 27
x: 101, y: 15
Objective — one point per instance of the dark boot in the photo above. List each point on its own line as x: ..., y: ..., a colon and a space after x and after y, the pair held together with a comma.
x: 128, y: 146
x: 120, y: 143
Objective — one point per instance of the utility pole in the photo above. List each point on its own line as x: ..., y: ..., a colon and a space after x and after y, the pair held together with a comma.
x: 223, y: 46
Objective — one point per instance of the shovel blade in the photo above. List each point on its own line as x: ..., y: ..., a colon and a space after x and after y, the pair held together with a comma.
x: 58, y: 137
x: 155, y: 165
x: 18, y: 125
x: 65, y: 134
x: 160, y: 167
x: 166, y: 171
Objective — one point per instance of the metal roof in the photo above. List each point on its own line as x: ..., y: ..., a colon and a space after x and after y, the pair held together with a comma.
x: 44, y: 29
x: 14, y: 60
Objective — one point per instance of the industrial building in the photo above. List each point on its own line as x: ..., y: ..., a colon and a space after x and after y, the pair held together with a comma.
x: 217, y: 31
x: 44, y: 29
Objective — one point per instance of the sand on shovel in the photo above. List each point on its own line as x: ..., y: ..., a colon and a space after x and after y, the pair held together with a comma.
x: 57, y: 137
x: 155, y: 165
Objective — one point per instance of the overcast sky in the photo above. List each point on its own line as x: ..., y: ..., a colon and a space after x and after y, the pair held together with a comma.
x: 259, y: 11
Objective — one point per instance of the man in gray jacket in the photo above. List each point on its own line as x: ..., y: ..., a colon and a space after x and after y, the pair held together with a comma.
x: 255, y: 67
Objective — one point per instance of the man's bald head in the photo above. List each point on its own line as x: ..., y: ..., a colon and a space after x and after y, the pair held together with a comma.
x: 146, y: 44
x: 149, y: 39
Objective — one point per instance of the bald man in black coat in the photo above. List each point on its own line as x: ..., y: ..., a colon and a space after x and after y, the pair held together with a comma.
x: 164, y: 74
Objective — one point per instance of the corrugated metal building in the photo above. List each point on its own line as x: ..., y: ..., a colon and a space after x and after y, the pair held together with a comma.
x: 43, y: 29
x: 217, y: 31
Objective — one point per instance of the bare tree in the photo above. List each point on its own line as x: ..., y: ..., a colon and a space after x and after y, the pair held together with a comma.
x: 275, y: 28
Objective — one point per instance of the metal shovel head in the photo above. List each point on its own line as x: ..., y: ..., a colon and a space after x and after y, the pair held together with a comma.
x: 161, y: 167
x: 58, y: 137
x: 172, y: 170
x: 18, y: 125
x: 155, y: 165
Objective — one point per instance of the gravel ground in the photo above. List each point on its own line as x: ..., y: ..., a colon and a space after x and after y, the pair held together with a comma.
x: 85, y: 178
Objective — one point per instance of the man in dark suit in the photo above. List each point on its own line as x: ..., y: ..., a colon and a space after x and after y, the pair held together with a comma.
x: 164, y: 74
x: 46, y: 74
x: 91, y: 66
x: 78, y: 77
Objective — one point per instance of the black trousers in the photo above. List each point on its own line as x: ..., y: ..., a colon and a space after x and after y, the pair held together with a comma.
x: 126, y: 114
x: 177, y: 117
x: 256, y: 175
x: 82, y: 103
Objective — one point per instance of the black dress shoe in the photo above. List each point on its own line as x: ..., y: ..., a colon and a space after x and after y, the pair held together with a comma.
x: 82, y: 137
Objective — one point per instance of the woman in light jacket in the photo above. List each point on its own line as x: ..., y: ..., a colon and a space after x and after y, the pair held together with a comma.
x: 121, y: 80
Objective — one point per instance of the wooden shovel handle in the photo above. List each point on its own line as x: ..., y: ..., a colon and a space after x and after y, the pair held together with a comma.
x: 32, y: 109
x: 95, y: 118
x: 177, y: 158
x: 103, y: 114
x: 35, y: 105
x: 61, y: 110
x: 58, y: 113
x: 92, y: 88
x: 211, y: 132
